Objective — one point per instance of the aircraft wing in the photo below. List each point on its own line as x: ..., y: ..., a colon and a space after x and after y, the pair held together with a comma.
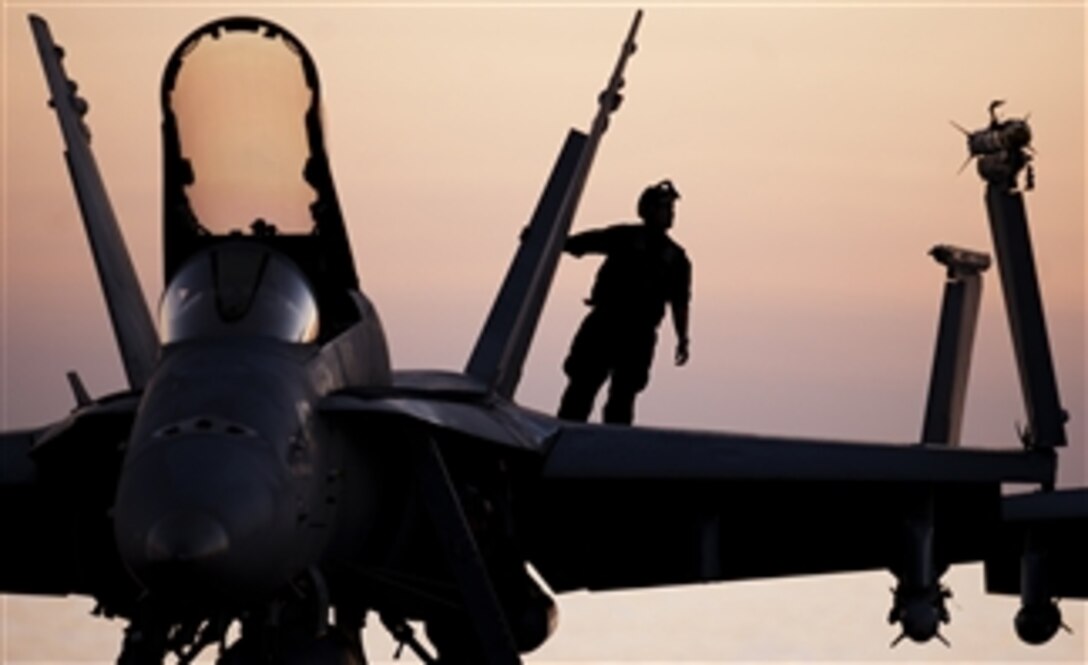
x: 450, y: 405
x: 1054, y: 523
x: 619, y: 507
x: 57, y: 486
x: 612, y: 507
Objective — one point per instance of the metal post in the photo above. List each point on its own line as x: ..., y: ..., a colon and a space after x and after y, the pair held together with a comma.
x: 1016, y: 263
x: 955, y: 340
x: 1004, y: 150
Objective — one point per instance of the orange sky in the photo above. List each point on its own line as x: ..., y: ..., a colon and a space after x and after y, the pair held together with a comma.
x: 817, y: 166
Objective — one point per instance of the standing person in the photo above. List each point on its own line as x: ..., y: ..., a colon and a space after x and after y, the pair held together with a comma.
x: 644, y: 269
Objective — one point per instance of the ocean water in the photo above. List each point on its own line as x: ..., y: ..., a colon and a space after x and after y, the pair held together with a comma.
x: 838, y: 618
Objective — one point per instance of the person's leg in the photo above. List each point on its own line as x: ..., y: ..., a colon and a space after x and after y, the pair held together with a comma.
x: 632, y: 373
x: 586, y: 367
x: 620, y: 408
x: 577, y: 401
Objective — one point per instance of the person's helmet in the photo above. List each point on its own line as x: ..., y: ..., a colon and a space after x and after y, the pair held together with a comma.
x: 650, y: 197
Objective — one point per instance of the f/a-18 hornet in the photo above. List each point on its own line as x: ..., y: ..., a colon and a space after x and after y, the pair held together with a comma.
x: 265, y: 466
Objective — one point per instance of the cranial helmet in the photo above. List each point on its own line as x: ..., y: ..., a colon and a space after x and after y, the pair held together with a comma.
x: 662, y: 191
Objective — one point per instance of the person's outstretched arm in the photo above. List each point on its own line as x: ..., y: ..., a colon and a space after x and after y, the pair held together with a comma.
x: 594, y: 241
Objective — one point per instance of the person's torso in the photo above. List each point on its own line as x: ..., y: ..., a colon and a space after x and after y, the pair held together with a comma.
x: 640, y: 274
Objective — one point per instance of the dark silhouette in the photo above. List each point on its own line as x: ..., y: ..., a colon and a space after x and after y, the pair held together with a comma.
x: 266, y: 465
x: 643, y: 270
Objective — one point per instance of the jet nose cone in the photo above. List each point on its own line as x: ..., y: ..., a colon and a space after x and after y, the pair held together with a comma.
x: 186, y: 537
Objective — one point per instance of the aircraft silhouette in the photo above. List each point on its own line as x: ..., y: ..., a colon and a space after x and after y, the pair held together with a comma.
x: 267, y: 465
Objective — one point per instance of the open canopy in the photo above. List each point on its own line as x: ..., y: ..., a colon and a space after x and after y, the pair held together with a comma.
x: 244, y: 153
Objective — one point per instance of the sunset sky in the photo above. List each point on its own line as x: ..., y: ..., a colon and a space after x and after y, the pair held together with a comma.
x: 812, y: 147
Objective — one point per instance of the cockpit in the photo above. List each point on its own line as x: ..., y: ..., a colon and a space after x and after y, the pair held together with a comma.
x: 239, y: 289
x: 244, y: 160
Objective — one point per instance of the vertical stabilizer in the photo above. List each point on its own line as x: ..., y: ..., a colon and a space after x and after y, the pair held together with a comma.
x: 132, y: 326
x: 500, y: 351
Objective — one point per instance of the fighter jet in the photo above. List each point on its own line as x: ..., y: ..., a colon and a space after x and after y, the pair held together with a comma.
x: 266, y: 466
